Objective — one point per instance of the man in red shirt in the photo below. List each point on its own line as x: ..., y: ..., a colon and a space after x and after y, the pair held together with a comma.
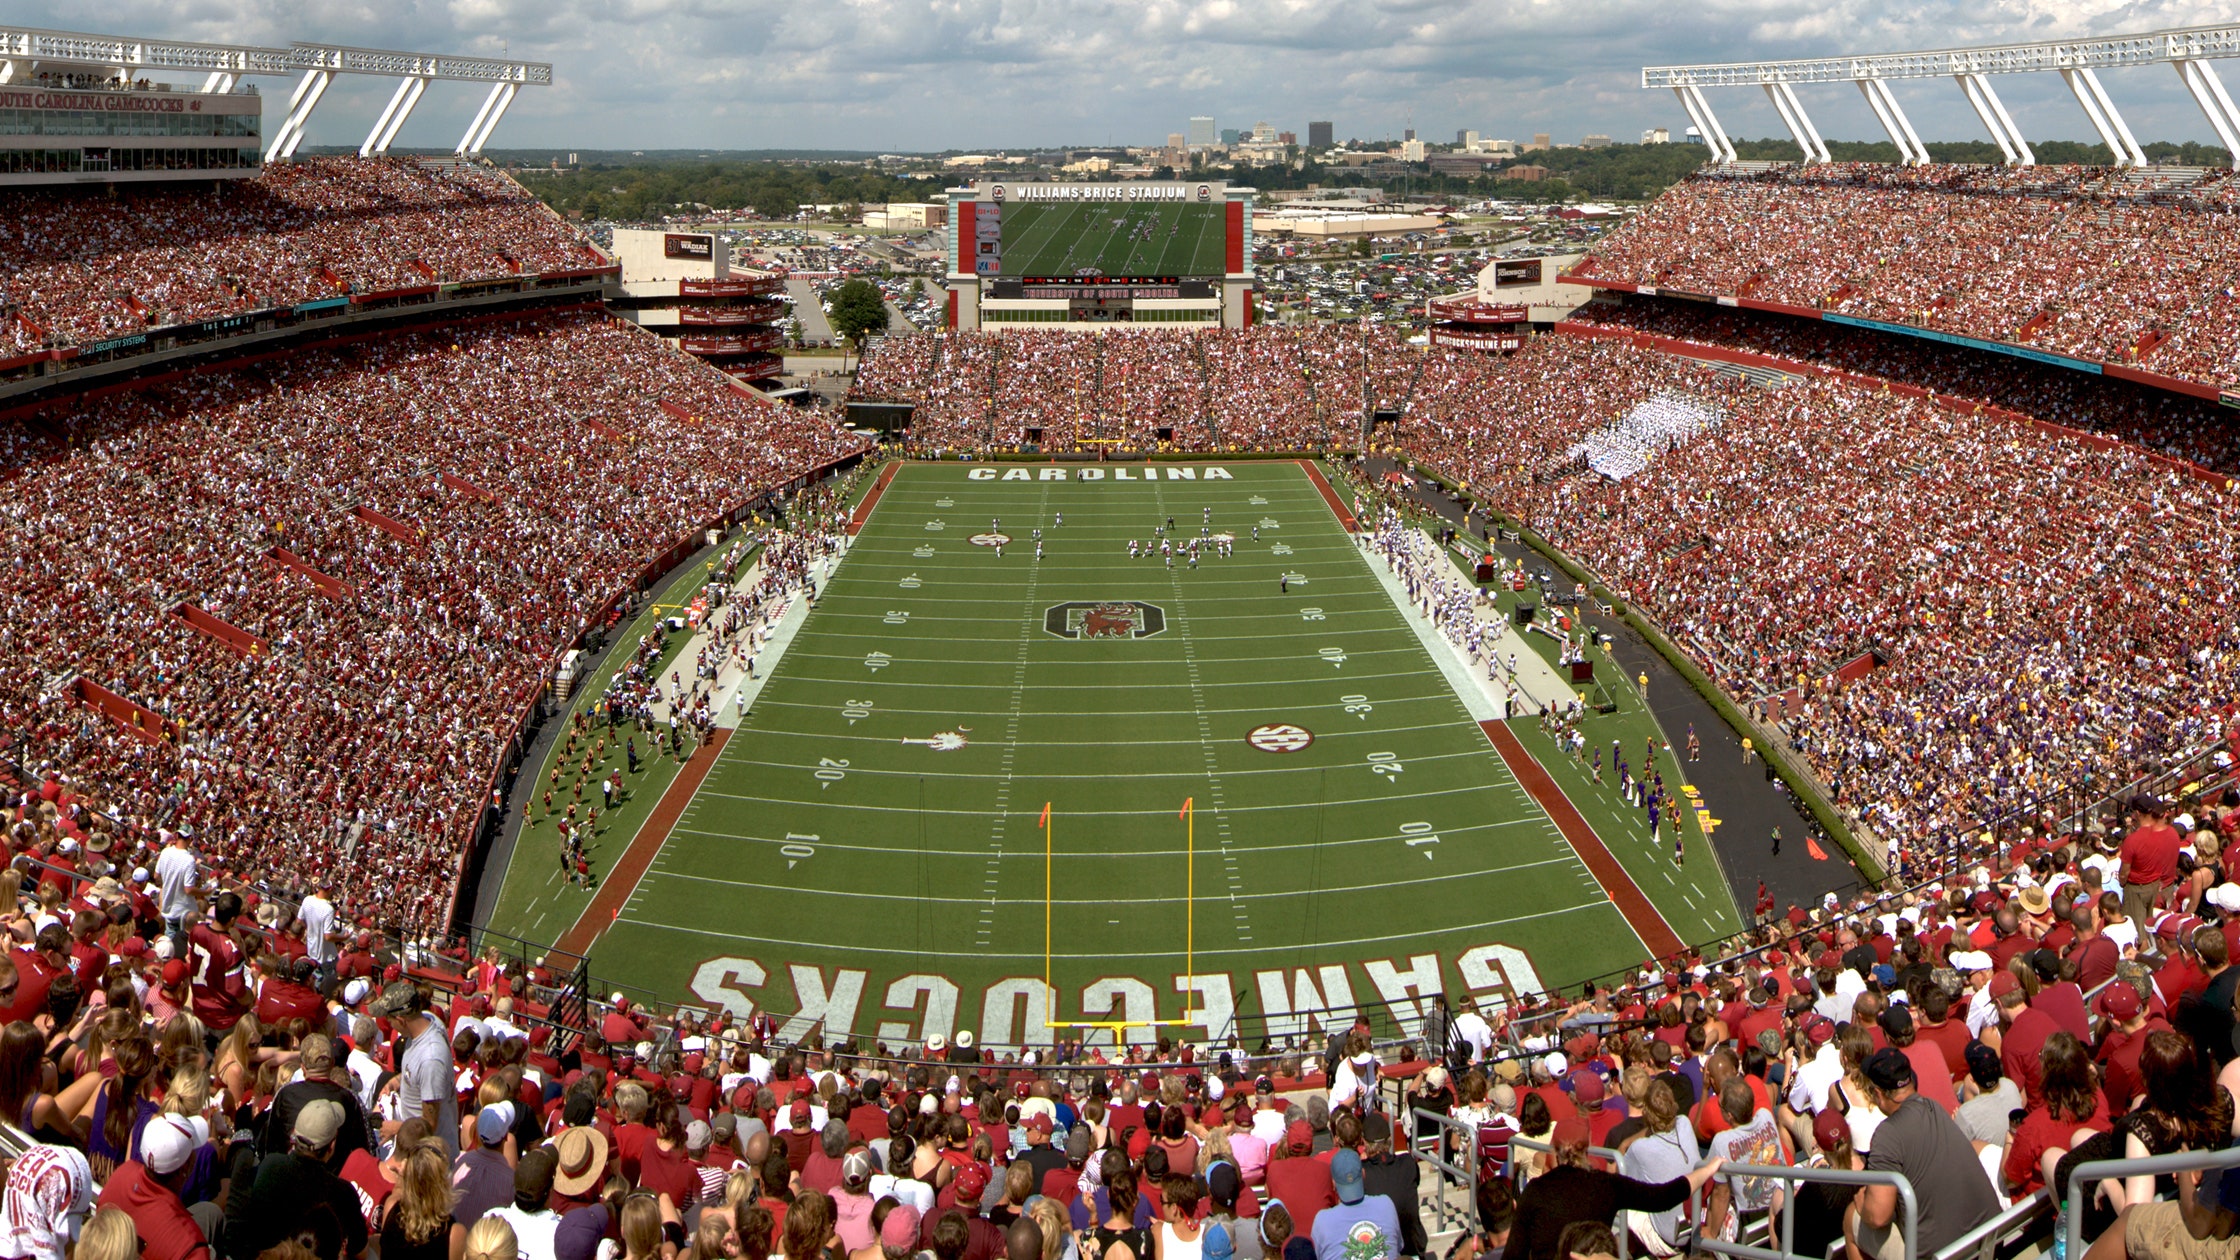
x: 2119, y: 1050
x: 2022, y: 1034
x: 35, y: 971
x: 147, y: 1190
x: 282, y: 996
x: 2148, y: 859
x: 214, y: 960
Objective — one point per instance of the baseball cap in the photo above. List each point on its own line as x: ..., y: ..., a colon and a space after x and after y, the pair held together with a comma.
x: 1970, y: 960
x: 1345, y: 1175
x: 318, y: 1122
x: 1223, y: 1182
x: 799, y: 1112
x: 1889, y: 1068
x: 900, y: 1230
x: 1217, y: 1245
x: 1896, y: 1021
x: 2005, y: 983
x: 1983, y: 1056
x: 698, y: 1135
x: 1571, y: 1134
x: 1829, y: 1128
x: 2145, y: 803
x: 175, y: 971
x: 2119, y: 1001
x: 856, y: 1169
x: 494, y: 1123
x: 1376, y: 1127
x: 401, y: 998
x: 972, y: 1182
x: 1299, y: 1137
x: 1821, y: 1031
x: 1587, y: 1087
x: 166, y: 1145
x: 1040, y: 1123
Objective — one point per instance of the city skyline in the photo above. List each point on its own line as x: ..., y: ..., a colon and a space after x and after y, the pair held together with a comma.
x: 907, y: 76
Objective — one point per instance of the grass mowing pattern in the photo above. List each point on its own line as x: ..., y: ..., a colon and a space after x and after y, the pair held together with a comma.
x: 886, y: 886
x: 1113, y: 238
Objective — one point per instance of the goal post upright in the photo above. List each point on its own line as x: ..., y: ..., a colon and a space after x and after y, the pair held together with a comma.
x: 1189, y: 818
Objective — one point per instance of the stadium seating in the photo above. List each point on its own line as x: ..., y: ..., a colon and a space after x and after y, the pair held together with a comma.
x: 78, y: 266
x: 2077, y: 260
x: 474, y: 526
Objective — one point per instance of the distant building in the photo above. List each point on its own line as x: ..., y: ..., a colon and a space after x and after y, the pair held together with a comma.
x: 905, y: 216
x: 1408, y: 135
x: 1175, y: 140
x: 1230, y: 135
x: 1460, y: 163
x: 1318, y: 135
x: 1263, y: 132
x: 1287, y: 137
x: 1466, y: 139
x: 1594, y: 142
x: 682, y: 286
x: 1498, y: 148
x: 1692, y: 136
x: 1202, y: 132
x: 1530, y: 172
x: 1656, y: 135
x: 1539, y: 143
x: 1411, y: 149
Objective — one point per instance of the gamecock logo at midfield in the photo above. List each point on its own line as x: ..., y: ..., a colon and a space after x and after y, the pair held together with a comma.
x: 1104, y: 619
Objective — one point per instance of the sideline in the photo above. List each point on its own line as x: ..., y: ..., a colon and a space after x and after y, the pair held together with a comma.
x: 871, y: 500
x: 621, y: 882
x: 1648, y: 922
x: 1329, y: 496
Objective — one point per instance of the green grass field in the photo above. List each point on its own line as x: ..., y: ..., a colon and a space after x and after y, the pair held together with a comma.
x: 840, y: 863
x: 1113, y: 238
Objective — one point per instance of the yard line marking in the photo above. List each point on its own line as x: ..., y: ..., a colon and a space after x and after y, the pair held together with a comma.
x: 1105, y: 955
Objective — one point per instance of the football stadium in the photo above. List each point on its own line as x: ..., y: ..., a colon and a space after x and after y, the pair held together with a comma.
x: 1743, y: 772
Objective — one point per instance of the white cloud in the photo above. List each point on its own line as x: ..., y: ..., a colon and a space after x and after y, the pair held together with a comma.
x: 930, y: 74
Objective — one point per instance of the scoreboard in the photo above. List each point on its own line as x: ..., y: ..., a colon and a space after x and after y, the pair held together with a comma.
x: 1099, y: 254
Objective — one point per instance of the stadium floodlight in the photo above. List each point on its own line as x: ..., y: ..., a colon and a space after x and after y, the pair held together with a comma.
x: 2188, y: 49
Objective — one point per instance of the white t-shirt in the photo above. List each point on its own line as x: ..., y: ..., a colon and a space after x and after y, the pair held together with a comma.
x: 915, y: 1193
x: 175, y: 878
x: 533, y: 1232
x: 318, y: 927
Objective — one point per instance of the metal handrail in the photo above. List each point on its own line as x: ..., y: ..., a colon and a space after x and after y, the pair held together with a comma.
x: 1825, y: 1176
x: 1462, y: 1169
x: 2152, y: 1166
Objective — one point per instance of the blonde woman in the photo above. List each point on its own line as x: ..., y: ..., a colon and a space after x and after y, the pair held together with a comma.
x: 491, y: 1239
x: 108, y: 1235
x: 416, y: 1221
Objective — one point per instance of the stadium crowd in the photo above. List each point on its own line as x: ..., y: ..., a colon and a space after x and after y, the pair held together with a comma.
x: 80, y: 265
x: 2084, y: 261
x: 463, y: 531
x: 2177, y: 425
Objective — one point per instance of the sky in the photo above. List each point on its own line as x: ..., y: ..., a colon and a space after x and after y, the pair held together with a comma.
x: 928, y: 75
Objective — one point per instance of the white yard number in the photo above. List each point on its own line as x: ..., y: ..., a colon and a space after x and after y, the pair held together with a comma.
x: 910, y: 583
x: 793, y: 850
x: 895, y: 617
x: 936, y: 526
x: 832, y: 770
x: 877, y: 661
x: 1358, y: 706
x: 854, y: 709
x: 1336, y: 657
x: 1386, y: 764
x: 923, y: 551
x: 1310, y: 614
x: 1418, y: 835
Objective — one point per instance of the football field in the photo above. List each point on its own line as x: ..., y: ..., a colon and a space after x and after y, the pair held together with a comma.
x: 1113, y: 238
x: 869, y: 847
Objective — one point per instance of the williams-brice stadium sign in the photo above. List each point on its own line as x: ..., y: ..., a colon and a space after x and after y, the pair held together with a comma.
x: 1134, y: 190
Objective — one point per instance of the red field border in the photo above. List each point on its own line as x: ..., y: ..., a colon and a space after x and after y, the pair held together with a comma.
x: 614, y: 891
x: 1329, y: 496
x: 1618, y: 886
x: 871, y: 500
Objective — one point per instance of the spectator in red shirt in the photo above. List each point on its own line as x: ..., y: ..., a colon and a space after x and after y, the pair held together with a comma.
x: 214, y: 959
x: 2022, y: 1034
x: 147, y: 1190
x: 2148, y: 860
x: 1299, y: 1179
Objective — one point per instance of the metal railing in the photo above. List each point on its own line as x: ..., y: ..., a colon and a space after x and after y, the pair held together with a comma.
x: 1457, y: 1172
x: 1908, y: 1205
x: 2152, y: 1166
x: 1608, y: 1155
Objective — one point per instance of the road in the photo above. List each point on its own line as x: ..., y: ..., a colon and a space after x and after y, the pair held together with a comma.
x: 809, y: 309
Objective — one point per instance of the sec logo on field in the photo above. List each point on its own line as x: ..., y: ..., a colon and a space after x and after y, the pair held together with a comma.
x: 1280, y: 737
